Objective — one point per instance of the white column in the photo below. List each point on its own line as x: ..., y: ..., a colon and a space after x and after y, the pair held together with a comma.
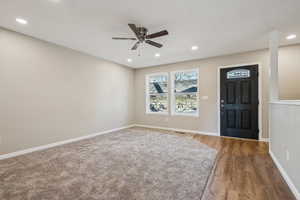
x: 273, y: 68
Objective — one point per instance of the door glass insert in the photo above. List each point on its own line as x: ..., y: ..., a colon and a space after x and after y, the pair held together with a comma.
x: 238, y: 73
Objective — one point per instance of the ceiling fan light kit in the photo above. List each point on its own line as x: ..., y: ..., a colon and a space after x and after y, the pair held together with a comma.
x: 141, y: 35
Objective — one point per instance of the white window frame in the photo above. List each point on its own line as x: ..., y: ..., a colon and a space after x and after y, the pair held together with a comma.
x: 147, y: 97
x: 173, y: 103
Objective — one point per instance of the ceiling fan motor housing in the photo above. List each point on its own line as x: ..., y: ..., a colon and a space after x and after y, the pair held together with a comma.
x: 142, y: 33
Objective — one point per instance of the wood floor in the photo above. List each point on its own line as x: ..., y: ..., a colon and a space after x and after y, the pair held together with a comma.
x: 244, y: 170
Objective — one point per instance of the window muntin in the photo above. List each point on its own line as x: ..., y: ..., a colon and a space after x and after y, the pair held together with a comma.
x: 238, y: 73
x: 185, y: 93
x: 157, y: 93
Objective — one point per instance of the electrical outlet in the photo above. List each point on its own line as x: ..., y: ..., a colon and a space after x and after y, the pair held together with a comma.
x: 287, y: 154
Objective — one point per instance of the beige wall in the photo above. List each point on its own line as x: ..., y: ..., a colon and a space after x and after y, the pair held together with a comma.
x: 49, y: 93
x: 289, y: 72
x: 207, y: 121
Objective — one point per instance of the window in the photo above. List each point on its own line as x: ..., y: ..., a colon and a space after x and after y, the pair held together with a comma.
x: 238, y: 73
x: 185, y: 93
x: 157, y: 93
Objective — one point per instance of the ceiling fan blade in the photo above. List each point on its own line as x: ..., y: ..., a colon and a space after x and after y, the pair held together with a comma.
x: 134, y: 29
x: 136, y: 45
x: 154, y: 43
x: 158, y: 34
x: 120, y: 38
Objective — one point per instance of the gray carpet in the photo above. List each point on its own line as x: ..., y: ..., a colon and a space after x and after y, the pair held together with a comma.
x: 132, y: 164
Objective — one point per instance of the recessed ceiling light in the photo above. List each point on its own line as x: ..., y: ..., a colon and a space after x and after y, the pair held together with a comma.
x: 290, y: 37
x: 157, y: 55
x: 129, y: 60
x: 194, y: 48
x: 21, y: 21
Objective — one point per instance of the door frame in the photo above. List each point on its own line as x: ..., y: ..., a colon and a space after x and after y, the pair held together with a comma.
x: 259, y: 94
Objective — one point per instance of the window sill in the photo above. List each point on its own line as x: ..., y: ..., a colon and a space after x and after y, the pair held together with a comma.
x: 185, y: 115
x: 156, y: 113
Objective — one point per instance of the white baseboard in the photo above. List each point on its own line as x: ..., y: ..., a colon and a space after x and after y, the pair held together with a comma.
x: 193, y: 131
x: 264, y: 139
x: 47, y: 146
x: 176, y: 129
x: 285, y: 176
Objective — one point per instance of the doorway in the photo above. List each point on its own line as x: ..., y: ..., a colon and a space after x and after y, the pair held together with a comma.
x: 239, y: 101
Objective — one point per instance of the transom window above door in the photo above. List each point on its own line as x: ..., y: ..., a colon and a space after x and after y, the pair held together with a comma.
x: 238, y: 73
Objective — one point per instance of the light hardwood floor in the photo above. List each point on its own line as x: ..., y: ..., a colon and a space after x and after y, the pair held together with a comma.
x: 244, y: 171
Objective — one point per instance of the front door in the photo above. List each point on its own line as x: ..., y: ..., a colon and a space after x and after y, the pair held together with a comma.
x: 239, y: 102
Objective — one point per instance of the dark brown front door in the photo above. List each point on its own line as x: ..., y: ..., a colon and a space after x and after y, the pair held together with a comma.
x: 239, y: 102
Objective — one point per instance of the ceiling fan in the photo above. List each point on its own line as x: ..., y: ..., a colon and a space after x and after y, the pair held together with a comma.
x: 141, y: 35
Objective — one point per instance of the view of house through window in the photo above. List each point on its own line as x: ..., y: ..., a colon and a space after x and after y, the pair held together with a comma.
x: 157, y: 96
x: 185, y: 96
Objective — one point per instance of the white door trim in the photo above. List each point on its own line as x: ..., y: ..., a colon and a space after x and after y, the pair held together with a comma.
x: 259, y: 95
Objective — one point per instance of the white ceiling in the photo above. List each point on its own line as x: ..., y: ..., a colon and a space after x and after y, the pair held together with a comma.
x: 218, y: 27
